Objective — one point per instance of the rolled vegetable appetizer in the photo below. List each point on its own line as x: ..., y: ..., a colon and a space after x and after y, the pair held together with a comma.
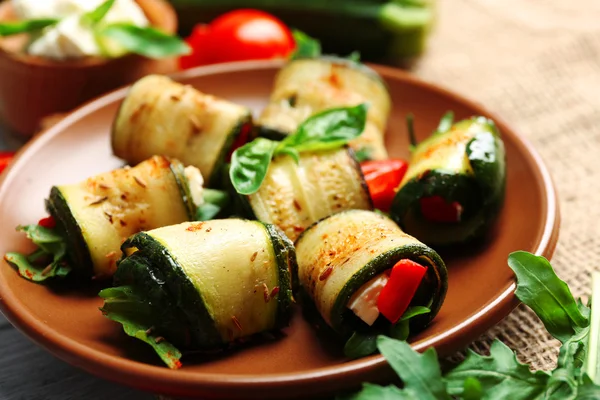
x: 90, y: 220
x: 202, y: 285
x: 294, y: 195
x: 454, y: 187
x: 305, y: 87
x: 366, y: 277
x: 160, y: 116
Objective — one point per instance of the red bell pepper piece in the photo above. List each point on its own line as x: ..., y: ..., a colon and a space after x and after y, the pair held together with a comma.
x: 436, y: 209
x: 48, y: 222
x: 383, y: 177
x: 396, y: 295
x: 5, y: 159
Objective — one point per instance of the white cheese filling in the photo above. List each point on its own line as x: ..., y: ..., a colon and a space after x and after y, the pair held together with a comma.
x: 195, y: 182
x: 72, y: 37
x: 364, y: 302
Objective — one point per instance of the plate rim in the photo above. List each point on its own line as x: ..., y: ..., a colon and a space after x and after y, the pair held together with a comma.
x: 181, y: 382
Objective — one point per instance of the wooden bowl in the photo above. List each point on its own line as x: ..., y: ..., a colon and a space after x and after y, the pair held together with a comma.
x: 302, y: 364
x: 32, y: 87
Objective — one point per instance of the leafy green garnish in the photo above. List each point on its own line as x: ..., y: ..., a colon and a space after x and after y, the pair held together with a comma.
x: 306, y: 46
x: 354, y: 56
x: 48, y: 261
x: 215, y: 201
x: 145, y: 41
x: 125, y: 305
x: 363, y: 344
x: 95, y: 16
x: 327, y: 130
x: 25, y: 26
x: 362, y: 154
x: 445, y: 122
x: 499, y: 375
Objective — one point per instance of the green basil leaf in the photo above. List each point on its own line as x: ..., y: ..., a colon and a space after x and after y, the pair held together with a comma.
x: 249, y: 165
x: 500, y: 374
x: 306, y: 46
x: 360, y: 345
x: 548, y: 296
x: 128, y: 307
x: 376, y: 392
x: 445, y: 122
x: 327, y: 130
x: 26, y: 26
x: 95, y: 16
x: 215, y: 201
x: 148, y: 42
x: 420, y: 372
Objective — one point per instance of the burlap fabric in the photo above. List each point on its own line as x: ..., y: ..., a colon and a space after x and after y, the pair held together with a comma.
x: 537, y: 64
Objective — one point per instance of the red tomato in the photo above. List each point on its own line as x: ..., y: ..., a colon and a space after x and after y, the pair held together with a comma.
x: 5, y: 159
x: 239, y: 35
x: 396, y: 295
x: 383, y: 177
x: 199, y: 54
x: 47, y: 222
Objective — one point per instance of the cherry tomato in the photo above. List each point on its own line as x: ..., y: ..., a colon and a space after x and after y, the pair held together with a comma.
x: 396, y: 295
x: 5, y: 159
x: 244, y: 34
x: 199, y: 54
x: 383, y: 177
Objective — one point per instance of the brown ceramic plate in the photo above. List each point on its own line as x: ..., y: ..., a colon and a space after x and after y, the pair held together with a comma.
x: 67, y: 322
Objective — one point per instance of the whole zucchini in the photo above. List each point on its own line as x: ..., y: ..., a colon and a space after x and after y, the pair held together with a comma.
x: 160, y: 116
x: 96, y: 215
x: 305, y: 87
x: 341, y: 255
x: 454, y: 187
x: 203, y: 285
x: 379, y: 29
x: 295, y: 195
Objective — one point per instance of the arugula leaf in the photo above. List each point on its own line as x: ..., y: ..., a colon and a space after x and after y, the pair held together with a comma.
x: 588, y: 390
x: 445, y: 122
x: 472, y: 389
x: 420, y: 372
x: 48, y: 261
x: 592, y: 364
x: 148, y: 42
x: 95, y: 16
x: 500, y: 375
x: 215, y: 201
x: 306, y: 46
x: 548, y: 296
x: 25, y: 26
x: 125, y: 305
x: 328, y: 130
x: 249, y: 165
x: 363, y: 344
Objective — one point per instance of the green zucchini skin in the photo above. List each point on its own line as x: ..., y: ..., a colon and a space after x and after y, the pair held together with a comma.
x: 181, y: 291
x: 328, y: 21
x: 158, y: 270
x: 78, y: 252
x: 478, y: 184
x: 339, y: 254
x: 307, y: 86
x: 162, y: 117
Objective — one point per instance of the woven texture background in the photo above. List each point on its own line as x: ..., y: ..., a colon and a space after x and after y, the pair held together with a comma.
x: 537, y: 64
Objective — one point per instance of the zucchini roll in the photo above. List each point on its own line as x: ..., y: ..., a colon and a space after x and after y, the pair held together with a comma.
x: 95, y: 216
x: 160, y: 116
x: 294, y: 195
x: 367, y: 277
x: 305, y: 87
x: 454, y: 187
x: 202, y: 285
